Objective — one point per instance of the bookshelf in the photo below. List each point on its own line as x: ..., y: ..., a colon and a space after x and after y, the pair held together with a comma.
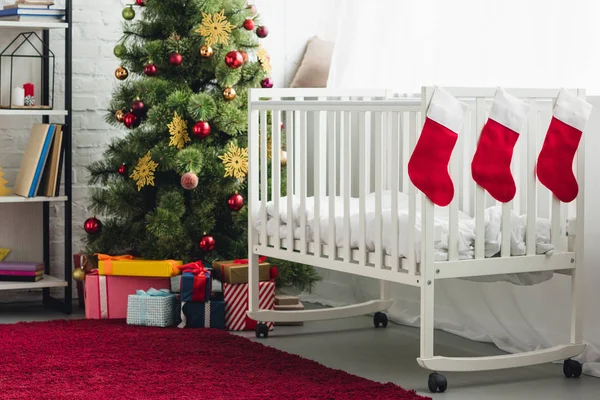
x: 32, y: 215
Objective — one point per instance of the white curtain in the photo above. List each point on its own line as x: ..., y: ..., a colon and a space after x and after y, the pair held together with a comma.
x: 403, y: 45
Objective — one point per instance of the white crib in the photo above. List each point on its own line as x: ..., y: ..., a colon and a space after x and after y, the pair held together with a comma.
x: 348, y: 147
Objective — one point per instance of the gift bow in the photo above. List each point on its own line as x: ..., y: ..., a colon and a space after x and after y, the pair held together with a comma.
x: 154, y: 293
x: 195, y: 267
x: 261, y: 259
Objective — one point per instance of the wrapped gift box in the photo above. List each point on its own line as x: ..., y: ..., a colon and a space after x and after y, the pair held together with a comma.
x: 129, y: 266
x: 284, y: 300
x: 236, y: 305
x: 236, y: 271
x: 151, y: 308
x: 106, y: 296
x: 210, y: 314
x: 196, y: 286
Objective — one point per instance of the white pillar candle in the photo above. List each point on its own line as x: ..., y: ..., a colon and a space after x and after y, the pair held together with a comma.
x: 18, y: 96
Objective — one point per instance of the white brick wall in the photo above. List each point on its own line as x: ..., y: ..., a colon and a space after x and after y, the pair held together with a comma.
x: 97, y: 27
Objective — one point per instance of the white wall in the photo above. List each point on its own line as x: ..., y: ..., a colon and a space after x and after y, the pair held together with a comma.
x: 97, y: 27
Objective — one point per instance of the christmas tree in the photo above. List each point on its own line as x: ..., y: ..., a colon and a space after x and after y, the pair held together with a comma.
x: 174, y: 186
x: 4, y: 191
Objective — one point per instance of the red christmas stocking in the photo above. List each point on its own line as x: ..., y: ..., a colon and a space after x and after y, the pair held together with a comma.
x: 490, y: 167
x: 428, y: 164
x: 555, y: 162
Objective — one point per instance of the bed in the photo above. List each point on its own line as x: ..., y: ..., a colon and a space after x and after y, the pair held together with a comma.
x: 343, y: 200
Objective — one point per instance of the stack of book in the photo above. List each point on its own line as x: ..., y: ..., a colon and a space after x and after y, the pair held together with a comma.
x: 21, y: 271
x: 31, y: 11
x: 39, y: 174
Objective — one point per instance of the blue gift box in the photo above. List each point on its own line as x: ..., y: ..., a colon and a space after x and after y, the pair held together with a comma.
x: 210, y: 314
x: 196, y: 286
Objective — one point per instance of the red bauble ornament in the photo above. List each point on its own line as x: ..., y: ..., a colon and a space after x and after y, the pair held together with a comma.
x: 267, y: 83
x: 140, y: 3
x: 175, y: 59
x: 234, y: 59
x: 253, y: 8
x: 123, y: 170
x: 92, y: 226
x: 150, y: 69
x: 207, y: 243
x: 235, y: 202
x: 249, y: 24
x: 138, y: 108
x: 189, y: 181
x: 131, y: 120
x: 262, y: 32
x: 201, y: 129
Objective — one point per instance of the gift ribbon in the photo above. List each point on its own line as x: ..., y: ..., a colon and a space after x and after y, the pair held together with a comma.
x: 196, y: 268
x: 261, y: 259
x: 108, y: 262
x: 149, y: 293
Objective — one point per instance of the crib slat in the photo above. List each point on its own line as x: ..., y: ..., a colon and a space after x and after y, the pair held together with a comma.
x: 253, y: 173
x: 555, y: 222
x: 331, y: 184
x: 318, y: 166
x: 298, y: 135
x: 453, y: 207
x: 289, y: 190
x: 377, y: 140
x: 263, y: 177
x: 506, y: 229
x: 411, y: 264
x: 479, y: 191
x: 362, y: 187
x: 345, y: 129
x: 393, y: 119
x: 532, y: 129
x: 276, y: 168
x: 342, y: 142
x: 303, y: 175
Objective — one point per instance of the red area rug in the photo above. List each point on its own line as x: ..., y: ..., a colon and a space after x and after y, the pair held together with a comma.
x: 88, y: 359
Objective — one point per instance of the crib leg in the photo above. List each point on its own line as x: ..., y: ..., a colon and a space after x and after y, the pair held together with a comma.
x: 385, y: 289
x: 253, y: 289
x: 427, y: 320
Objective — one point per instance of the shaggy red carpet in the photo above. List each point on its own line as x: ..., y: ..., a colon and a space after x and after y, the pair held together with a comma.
x: 88, y: 359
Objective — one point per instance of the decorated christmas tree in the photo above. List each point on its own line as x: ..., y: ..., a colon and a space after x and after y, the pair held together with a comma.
x: 174, y: 185
x: 4, y: 191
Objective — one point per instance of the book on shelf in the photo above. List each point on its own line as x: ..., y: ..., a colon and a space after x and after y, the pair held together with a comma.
x: 23, y: 266
x: 31, y: 14
x: 40, y: 168
x: 21, y: 276
x: 30, y: 4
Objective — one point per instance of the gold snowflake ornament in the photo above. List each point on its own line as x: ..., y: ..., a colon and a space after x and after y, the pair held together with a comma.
x: 264, y: 59
x: 179, y: 132
x: 144, y: 172
x: 235, y: 161
x: 215, y: 28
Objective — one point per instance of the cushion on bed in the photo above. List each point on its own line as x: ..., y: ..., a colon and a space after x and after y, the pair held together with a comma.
x: 314, y: 68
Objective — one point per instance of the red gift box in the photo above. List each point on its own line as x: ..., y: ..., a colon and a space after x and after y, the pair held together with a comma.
x: 236, y: 305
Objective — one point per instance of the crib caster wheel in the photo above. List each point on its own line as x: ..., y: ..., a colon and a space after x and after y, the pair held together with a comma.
x: 380, y: 319
x: 262, y: 330
x: 437, y: 383
x: 572, y: 369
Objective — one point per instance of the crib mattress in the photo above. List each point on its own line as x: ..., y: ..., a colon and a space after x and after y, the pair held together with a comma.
x: 466, y: 231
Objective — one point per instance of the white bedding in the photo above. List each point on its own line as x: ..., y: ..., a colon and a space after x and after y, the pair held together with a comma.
x: 466, y: 232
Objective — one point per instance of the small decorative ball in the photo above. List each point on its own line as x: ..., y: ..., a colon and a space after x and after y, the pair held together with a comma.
x: 78, y: 274
x: 128, y: 13
x: 140, y: 3
x: 189, y: 181
x: 206, y: 51
x: 150, y: 69
x: 283, y: 157
x: 92, y: 226
x: 201, y: 129
x: 207, y: 243
x: 262, y: 32
x: 235, y: 202
x: 229, y: 93
x: 121, y: 73
x: 266, y: 83
x: 138, y: 107
x: 120, y: 50
x: 131, y: 120
x: 253, y: 8
x: 244, y: 56
x: 119, y: 115
x: 123, y: 170
x: 175, y: 59
x: 234, y: 59
x: 249, y: 24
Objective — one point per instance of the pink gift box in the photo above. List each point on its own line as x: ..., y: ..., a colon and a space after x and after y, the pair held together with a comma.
x: 106, y: 296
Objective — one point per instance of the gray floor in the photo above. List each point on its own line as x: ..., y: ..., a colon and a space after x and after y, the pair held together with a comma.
x: 388, y: 355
